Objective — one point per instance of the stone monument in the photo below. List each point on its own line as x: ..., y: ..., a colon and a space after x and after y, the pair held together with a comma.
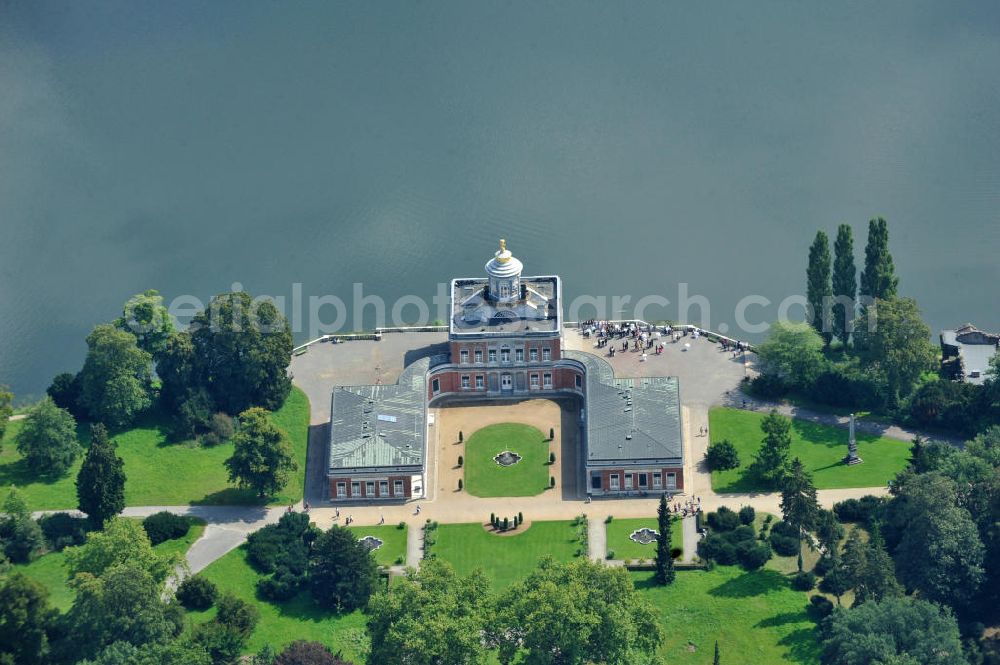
x: 852, y: 447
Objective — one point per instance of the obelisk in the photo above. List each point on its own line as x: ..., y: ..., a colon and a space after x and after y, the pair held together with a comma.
x: 852, y: 447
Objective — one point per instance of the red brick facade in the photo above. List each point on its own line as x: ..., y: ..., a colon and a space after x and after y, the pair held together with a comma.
x: 641, y: 480
x: 358, y: 487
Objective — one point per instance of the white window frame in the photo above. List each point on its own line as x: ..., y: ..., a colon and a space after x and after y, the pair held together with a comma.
x: 479, y: 355
x: 643, y: 481
x: 369, y: 488
x: 464, y: 355
x: 341, y: 490
x: 547, y: 380
x: 480, y: 382
x: 465, y: 382
x: 533, y: 354
x: 546, y: 353
x: 614, y: 483
x: 492, y: 355
x: 534, y: 381
x: 436, y: 386
x: 355, y: 485
x: 671, y: 481
x: 505, y: 354
x: 397, y: 488
x: 629, y: 481
x: 657, y: 480
x: 519, y: 355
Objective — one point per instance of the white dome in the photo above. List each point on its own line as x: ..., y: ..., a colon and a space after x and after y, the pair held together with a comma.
x: 503, y: 264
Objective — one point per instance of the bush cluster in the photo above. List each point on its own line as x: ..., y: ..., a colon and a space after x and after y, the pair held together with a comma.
x: 197, y: 593
x: 165, y: 526
x: 747, y: 515
x: 282, y: 550
x: 804, y: 581
x: 731, y: 543
x: 784, y: 539
x: 865, y: 510
x: 62, y: 530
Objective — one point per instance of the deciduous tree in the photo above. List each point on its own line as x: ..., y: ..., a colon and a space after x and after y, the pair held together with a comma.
x: 262, y: 458
x: 26, y: 621
x: 431, y: 616
x: 116, y: 379
x: 47, y: 439
x: 20, y: 536
x: 145, y: 317
x: 897, y: 344
x: 100, y: 484
x: 123, y: 540
x: 793, y: 353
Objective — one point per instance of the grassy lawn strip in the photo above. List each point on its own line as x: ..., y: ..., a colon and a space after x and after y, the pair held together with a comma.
x: 820, y: 447
x: 50, y: 569
x: 625, y: 548
x: 393, y: 542
x: 160, y: 472
x: 281, y: 623
x: 756, y: 617
x: 484, y: 477
x: 504, y: 559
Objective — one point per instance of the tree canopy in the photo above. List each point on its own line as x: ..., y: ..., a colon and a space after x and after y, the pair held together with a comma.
x: 47, y: 439
x: 262, y: 458
x: 431, y: 616
x: 145, y: 317
x: 819, y: 288
x: 26, y: 621
x: 792, y: 352
x: 123, y: 540
x: 799, y: 506
x: 896, y: 342
x: 575, y: 613
x: 6, y: 409
x: 845, y: 282
x: 665, y: 573
x: 242, y: 351
x: 892, y: 632
x: 878, y: 279
x: 116, y: 379
x: 342, y: 572
x: 770, y: 464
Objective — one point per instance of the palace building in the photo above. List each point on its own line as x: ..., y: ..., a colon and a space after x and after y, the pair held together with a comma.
x: 505, y: 338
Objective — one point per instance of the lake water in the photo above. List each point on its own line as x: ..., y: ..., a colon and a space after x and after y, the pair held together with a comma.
x: 628, y: 147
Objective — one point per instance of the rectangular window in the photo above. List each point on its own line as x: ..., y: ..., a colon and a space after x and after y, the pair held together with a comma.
x: 643, y: 480
x: 614, y: 482
x: 595, y: 482
x: 657, y: 481
x: 547, y: 380
x: 383, y: 488
x: 464, y: 355
x: 355, y: 488
x: 671, y: 481
x: 519, y: 355
x: 465, y: 381
x: 436, y: 386
x: 397, y: 487
x: 370, y: 488
x: 546, y: 354
x: 493, y: 355
x: 505, y: 355
x: 479, y: 356
x: 579, y: 381
x: 341, y: 490
x: 534, y: 380
x: 479, y: 381
x: 628, y: 481
x: 533, y: 354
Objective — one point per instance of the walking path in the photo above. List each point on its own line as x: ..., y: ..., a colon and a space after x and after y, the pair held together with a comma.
x: 690, y: 530
x: 414, y: 543
x: 597, y: 538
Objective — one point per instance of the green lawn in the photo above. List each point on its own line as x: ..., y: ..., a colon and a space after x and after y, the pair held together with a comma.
x: 50, y: 569
x: 619, y: 530
x: 820, y: 447
x: 393, y: 542
x: 756, y: 617
x: 281, y: 623
x: 160, y: 472
x: 504, y: 559
x: 484, y: 477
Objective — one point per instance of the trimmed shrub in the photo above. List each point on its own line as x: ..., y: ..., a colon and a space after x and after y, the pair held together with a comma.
x: 863, y: 510
x: 552, y: 458
x: 165, y: 526
x: 804, y: 581
x: 747, y: 515
x: 723, y: 519
x: 676, y: 553
x: 611, y: 554
x: 718, y: 549
x: 63, y: 530
x: 301, y: 652
x: 721, y: 456
x: 197, y: 593
x: 222, y: 426
x: 281, y: 586
x: 784, y: 545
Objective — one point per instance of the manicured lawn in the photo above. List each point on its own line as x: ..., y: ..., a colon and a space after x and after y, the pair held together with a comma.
x: 484, y: 477
x: 756, y: 617
x: 820, y: 447
x: 161, y: 472
x: 504, y: 559
x: 281, y: 623
x: 619, y: 530
x: 50, y: 569
x: 393, y: 542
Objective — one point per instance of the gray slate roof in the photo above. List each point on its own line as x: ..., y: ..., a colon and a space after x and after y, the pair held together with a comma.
x: 630, y: 421
x: 539, y: 312
x: 380, y: 426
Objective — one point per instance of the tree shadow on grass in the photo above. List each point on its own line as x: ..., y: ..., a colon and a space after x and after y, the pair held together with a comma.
x: 803, y: 646
x: 231, y: 496
x: 20, y: 474
x: 757, y: 583
x: 782, y: 619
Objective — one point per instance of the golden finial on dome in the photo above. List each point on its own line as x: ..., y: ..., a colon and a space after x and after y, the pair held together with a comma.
x: 503, y: 256
x: 503, y: 245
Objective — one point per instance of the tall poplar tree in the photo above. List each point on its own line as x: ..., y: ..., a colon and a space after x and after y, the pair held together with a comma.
x: 878, y: 279
x: 818, y: 286
x: 665, y: 572
x: 100, y: 484
x: 845, y: 282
